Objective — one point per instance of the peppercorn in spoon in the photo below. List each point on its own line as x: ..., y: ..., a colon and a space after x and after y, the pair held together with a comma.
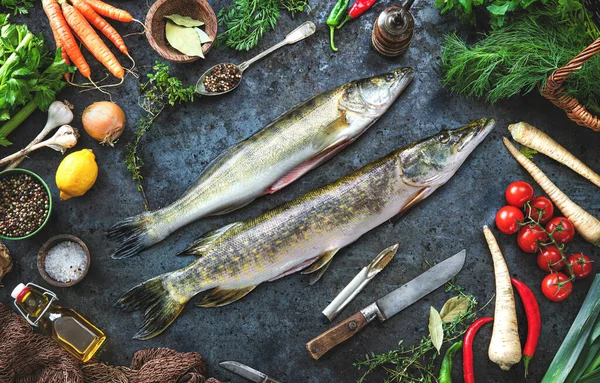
x: 223, y: 78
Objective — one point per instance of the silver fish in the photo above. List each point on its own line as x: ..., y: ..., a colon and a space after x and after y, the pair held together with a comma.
x: 271, y: 159
x: 305, y: 233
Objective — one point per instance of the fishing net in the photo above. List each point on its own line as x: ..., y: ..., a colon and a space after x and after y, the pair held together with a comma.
x: 27, y: 357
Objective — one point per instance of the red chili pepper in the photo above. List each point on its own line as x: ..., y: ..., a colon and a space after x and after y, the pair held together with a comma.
x: 534, y: 320
x: 468, y: 372
x: 357, y: 9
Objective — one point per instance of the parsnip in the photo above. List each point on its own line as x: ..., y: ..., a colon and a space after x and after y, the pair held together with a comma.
x: 533, y: 138
x: 586, y: 224
x: 505, y: 346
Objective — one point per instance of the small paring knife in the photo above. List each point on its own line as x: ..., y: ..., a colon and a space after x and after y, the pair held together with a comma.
x: 359, y: 282
x: 247, y: 372
x: 391, y: 304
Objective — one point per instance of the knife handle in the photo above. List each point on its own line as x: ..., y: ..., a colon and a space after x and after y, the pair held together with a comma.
x: 336, y: 335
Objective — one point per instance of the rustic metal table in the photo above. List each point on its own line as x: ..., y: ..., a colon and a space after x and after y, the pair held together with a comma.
x: 269, y: 328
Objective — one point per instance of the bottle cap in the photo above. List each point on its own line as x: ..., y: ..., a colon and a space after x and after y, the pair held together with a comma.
x: 17, y: 290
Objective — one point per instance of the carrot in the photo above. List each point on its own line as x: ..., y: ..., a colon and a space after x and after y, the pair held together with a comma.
x: 102, y: 25
x: 530, y: 136
x: 505, y: 346
x: 586, y: 224
x: 63, y: 53
x: 109, y: 11
x: 67, y: 41
x: 91, y: 40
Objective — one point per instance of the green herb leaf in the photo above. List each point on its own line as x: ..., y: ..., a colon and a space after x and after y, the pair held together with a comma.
x: 436, y: 331
x: 527, y: 152
x: 453, y: 308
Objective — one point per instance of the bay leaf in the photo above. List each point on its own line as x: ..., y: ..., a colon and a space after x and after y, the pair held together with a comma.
x: 453, y: 308
x: 204, y: 38
x: 185, y: 40
x: 436, y: 330
x: 184, y: 21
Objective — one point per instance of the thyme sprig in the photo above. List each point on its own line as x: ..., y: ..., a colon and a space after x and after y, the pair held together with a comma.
x: 160, y: 90
x: 417, y: 363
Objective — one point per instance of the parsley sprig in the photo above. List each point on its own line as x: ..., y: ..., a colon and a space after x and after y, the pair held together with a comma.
x: 160, y: 90
x: 18, y: 7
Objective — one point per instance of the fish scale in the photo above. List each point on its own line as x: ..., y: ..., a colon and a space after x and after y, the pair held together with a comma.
x: 234, y: 259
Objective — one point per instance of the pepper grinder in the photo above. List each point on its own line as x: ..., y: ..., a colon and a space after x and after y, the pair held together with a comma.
x: 393, y: 30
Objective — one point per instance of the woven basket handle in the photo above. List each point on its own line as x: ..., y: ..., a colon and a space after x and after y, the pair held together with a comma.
x: 554, y: 88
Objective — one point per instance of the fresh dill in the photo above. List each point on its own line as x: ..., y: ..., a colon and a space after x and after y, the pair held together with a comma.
x: 417, y: 363
x: 248, y: 20
x: 519, y: 57
x: 160, y: 90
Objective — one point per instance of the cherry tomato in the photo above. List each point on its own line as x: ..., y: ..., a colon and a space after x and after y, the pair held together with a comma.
x: 506, y: 219
x: 549, y: 259
x: 518, y: 193
x: 561, y: 229
x: 556, y: 287
x: 581, y: 265
x: 543, y: 209
x: 529, y: 238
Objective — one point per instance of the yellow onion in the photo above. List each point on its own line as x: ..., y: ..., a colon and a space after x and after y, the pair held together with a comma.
x: 104, y: 121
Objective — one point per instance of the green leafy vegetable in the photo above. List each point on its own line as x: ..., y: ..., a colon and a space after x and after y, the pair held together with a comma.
x: 417, y: 363
x: 520, y: 56
x: 248, y: 20
x: 30, y: 75
x: 160, y: 90
x: 436, y: 331
x: 18, y: 7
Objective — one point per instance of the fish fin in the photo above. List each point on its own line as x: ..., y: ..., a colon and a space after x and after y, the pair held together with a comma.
x: 321, y: 262
x: 153, y: 298
x: 221, y: 297
x: 314, y: 277
x: 134, y: 235
x: 201, y: 245
x: 294, y: 269
x: 418, y: 197
x: 308, y: 165
x: 330, y: 134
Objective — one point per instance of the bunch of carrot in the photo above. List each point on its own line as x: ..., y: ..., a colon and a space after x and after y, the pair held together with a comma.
x: 75, y: 20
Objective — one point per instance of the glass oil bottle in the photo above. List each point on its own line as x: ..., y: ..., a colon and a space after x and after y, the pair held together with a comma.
x: 69, y: 329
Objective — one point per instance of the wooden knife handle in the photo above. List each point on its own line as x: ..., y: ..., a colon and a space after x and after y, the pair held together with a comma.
x: 336, y: 335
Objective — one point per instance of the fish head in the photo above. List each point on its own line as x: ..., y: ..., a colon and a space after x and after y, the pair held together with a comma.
x: 434, y: 160
x: 372, y: 96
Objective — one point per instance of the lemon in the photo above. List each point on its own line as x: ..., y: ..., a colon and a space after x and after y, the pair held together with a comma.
x: 76, y: 174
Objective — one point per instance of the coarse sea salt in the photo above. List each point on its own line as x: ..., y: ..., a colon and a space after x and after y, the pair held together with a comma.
x: 65, y: 262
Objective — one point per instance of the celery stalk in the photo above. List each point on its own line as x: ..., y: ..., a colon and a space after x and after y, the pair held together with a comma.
x: 15, y: 121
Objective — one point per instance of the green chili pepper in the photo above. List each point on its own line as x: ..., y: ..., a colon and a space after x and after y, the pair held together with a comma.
x: 446, y: 368
x: 336, y: 17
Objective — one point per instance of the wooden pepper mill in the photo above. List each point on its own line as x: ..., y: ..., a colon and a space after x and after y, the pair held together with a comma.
x: 393, y: 30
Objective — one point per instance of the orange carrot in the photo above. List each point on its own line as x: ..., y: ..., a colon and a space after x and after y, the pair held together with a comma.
x: 91, y: 40
x: 109, y: 11
x: 63, y: 53
x: 102, y: 25
x: 67, y: 41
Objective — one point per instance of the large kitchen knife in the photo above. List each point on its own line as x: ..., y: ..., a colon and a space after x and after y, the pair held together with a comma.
x: 247, y: 372
x: 389, y: 305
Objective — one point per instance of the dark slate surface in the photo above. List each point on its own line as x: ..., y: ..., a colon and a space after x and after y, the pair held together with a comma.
x: 269, y: 328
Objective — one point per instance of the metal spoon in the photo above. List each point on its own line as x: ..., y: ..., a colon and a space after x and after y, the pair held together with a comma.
x: 300, y: 33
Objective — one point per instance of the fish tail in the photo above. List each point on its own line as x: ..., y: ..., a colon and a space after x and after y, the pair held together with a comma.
x: 159, y: 306
x: 134, y: 234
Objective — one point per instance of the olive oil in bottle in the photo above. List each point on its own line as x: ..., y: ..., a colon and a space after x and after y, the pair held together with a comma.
x: 69, y: 329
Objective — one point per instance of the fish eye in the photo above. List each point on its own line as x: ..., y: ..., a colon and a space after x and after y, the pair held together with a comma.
x: 390, y: 77
x: 444, y: 137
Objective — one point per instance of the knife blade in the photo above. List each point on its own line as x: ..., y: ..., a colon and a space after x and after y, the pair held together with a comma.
x: 247, y: 372
x: 389, y: 305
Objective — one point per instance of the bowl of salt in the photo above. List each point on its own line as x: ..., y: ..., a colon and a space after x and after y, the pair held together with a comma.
x: 63, y: 260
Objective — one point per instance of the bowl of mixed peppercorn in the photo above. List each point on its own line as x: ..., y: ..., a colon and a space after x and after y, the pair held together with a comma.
x: 25, y: 204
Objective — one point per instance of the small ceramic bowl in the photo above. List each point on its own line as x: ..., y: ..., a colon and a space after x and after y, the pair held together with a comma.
x: 25, y: 171
x: 155, y: 26
x: 49, y: 244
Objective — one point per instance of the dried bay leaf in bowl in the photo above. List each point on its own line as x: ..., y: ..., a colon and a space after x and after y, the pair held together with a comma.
x: 184, y: 21
x: 5, y: 261
x: 204, y: 38
x: 185, y: 40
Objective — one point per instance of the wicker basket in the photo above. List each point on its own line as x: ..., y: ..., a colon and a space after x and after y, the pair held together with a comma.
x: 554, y: 89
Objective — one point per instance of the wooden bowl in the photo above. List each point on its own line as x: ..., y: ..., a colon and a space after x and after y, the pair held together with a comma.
x: 49, y: 244
x: 155, y: 26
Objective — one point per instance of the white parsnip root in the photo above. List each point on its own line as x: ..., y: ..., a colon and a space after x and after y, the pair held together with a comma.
x: 585, y: 223
x: 533, y: 138
x: 505, y: 346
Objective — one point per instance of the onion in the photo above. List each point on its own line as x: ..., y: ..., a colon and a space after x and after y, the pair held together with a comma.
x: 104, y: 121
